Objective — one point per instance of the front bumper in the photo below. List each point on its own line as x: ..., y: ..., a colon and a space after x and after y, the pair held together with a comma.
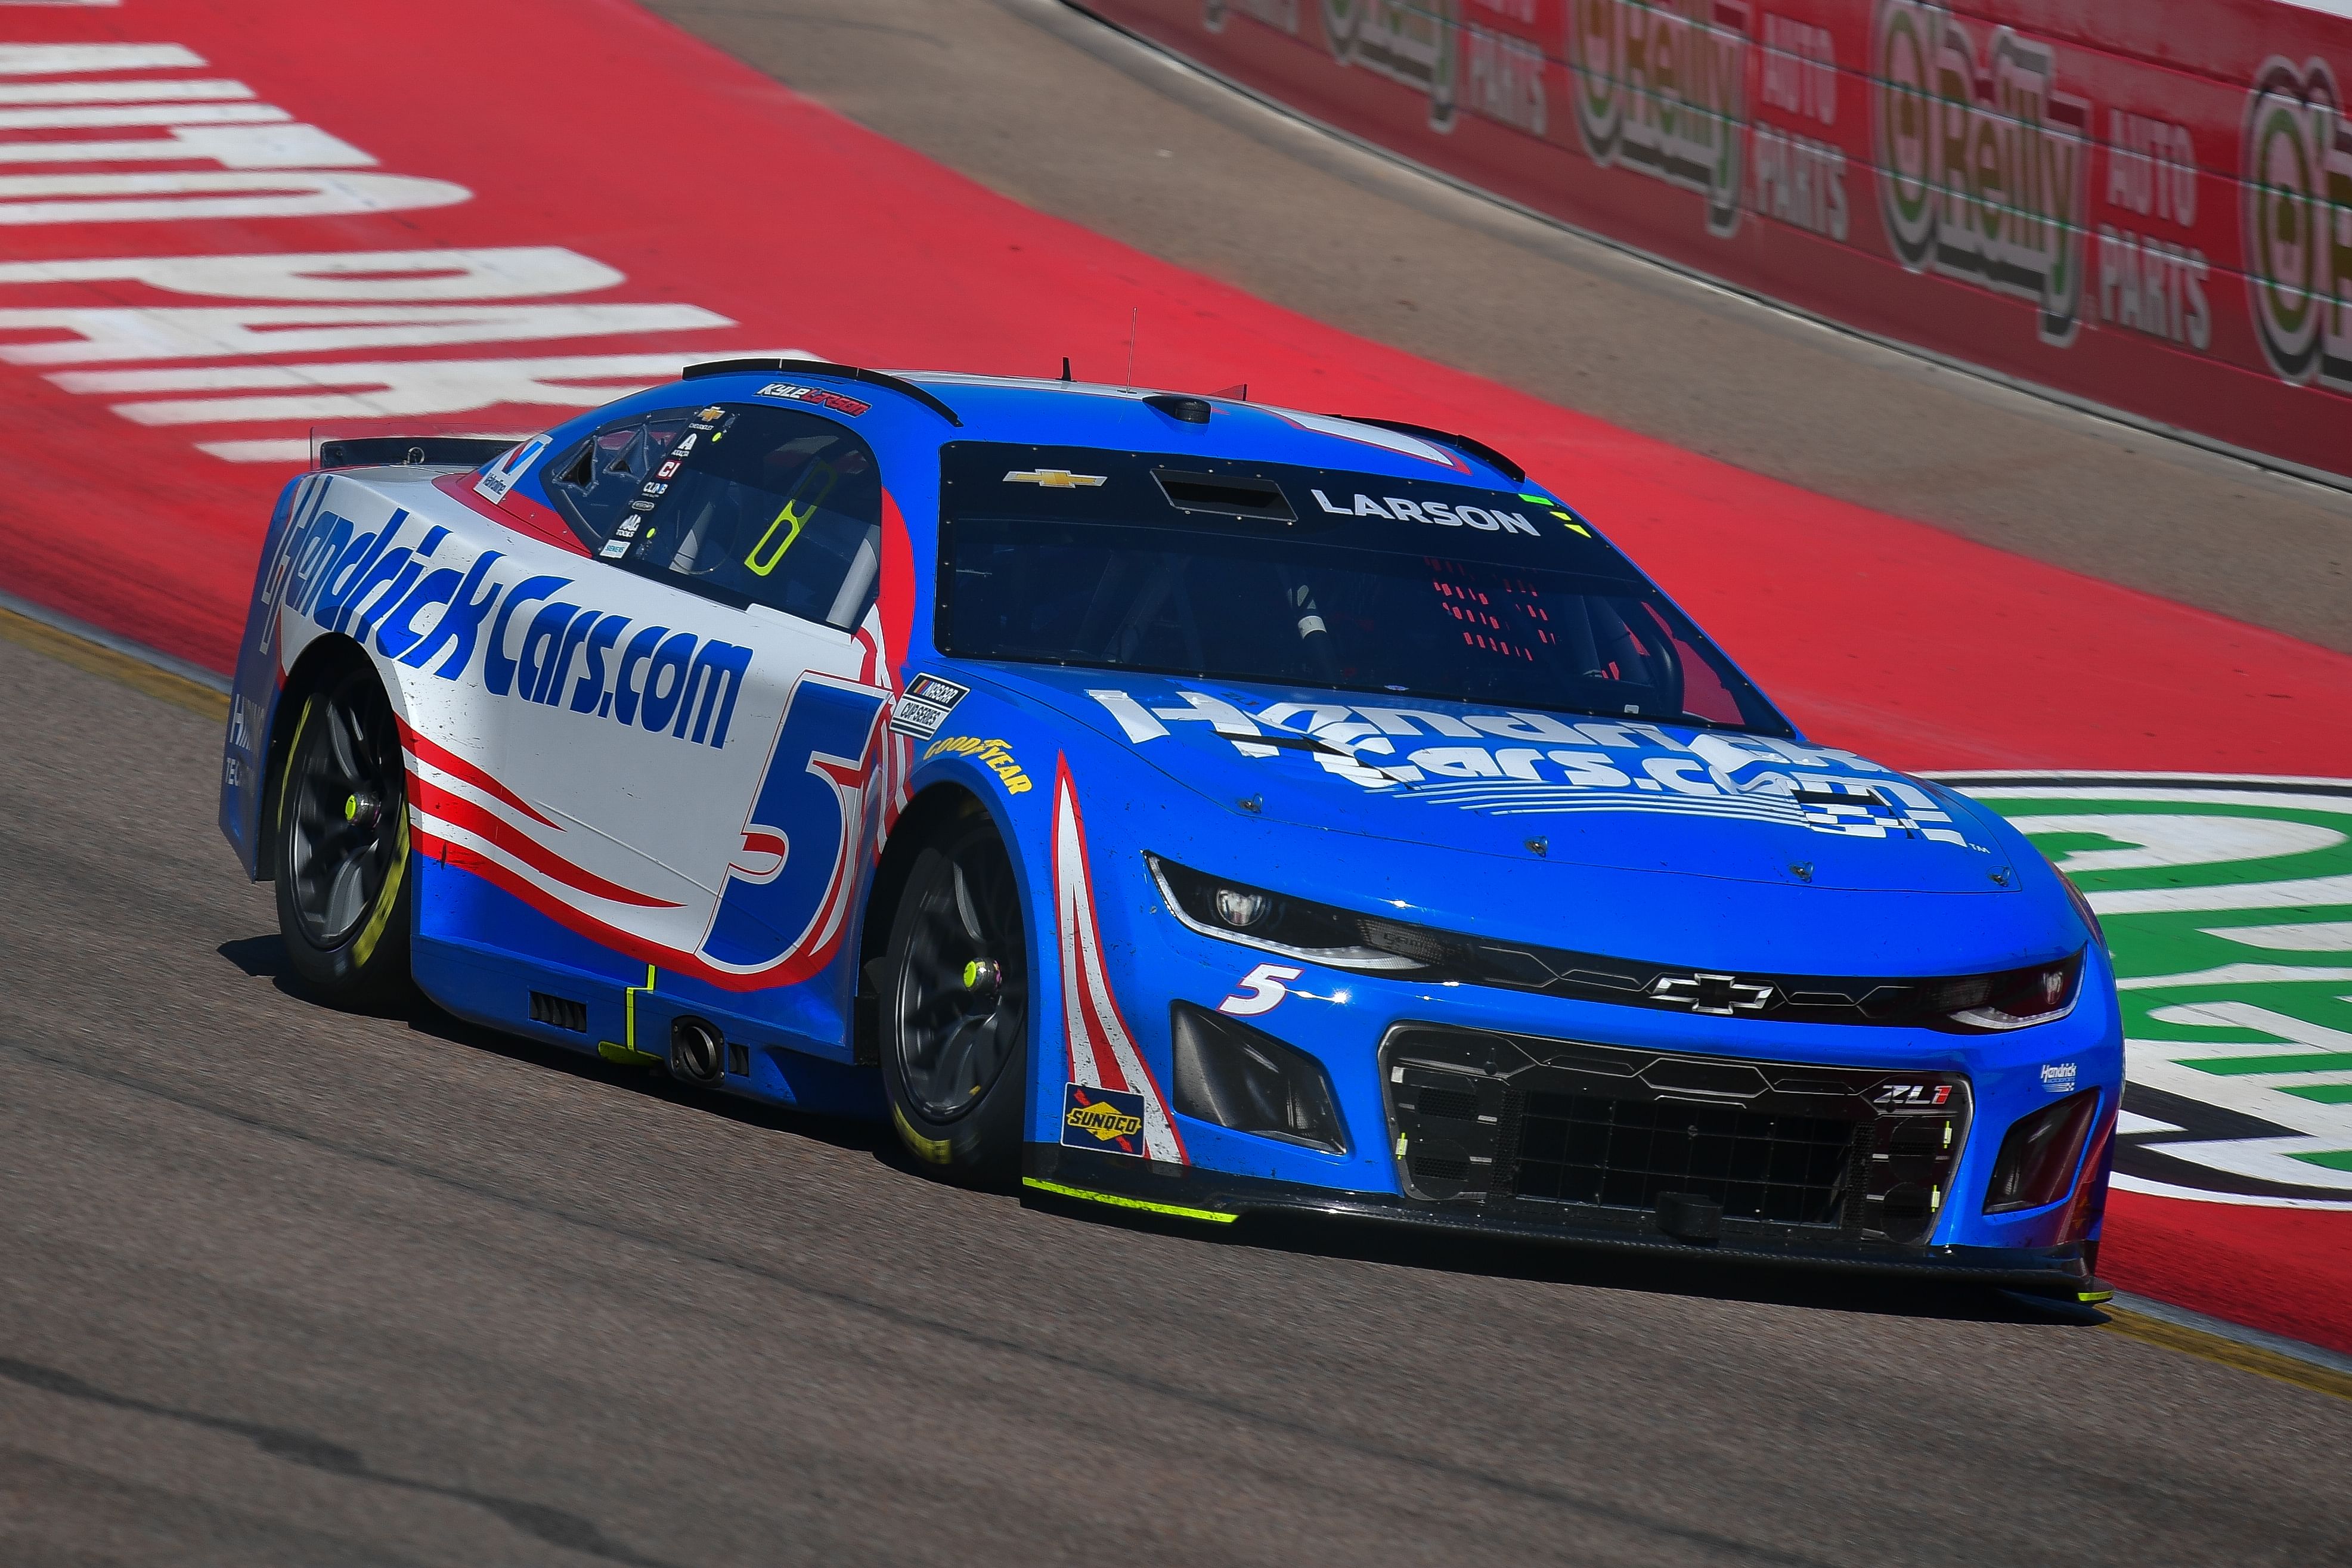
x: 1189, y: 1194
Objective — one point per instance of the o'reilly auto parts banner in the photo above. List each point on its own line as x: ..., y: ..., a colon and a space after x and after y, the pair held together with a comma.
x: 2148, y: 205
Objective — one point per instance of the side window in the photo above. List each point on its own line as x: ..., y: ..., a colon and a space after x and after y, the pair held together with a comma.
x: 595, y: 482
x: 756, y: 506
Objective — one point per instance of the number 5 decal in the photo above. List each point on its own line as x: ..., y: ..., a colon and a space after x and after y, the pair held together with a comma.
x: 782, y: 912
x: 1261, y: 991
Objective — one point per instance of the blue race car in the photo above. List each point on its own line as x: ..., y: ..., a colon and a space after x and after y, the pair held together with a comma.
x: 1168, y: 801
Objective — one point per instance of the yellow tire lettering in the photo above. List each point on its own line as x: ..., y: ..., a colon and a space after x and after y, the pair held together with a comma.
x: 293, y: 750
x: 931, y: 1151
x: 364, y: 948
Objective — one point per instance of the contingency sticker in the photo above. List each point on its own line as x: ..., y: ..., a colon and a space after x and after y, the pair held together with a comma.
x: 925, y: 705
x: 1103, y: 1120
x: 817, y: 394
x: 500, y: 476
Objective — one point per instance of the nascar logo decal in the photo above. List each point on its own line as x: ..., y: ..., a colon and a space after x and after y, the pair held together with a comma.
x: 1104, y: 1061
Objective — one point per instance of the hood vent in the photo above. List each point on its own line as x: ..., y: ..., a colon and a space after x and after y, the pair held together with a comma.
x: 1230, y: 495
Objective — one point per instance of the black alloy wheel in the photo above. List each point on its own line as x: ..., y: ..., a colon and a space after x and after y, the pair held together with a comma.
x: 343, y: 866
x: 955, y: 1009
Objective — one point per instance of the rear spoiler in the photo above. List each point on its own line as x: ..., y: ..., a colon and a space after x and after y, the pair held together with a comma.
x: 410, y: 451
x: 826, y: 367
x: 1464, y: 443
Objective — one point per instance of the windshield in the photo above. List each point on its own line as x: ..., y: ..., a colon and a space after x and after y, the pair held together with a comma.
x: 1182, y: 566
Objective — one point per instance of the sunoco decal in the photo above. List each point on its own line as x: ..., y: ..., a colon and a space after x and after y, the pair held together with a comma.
x: 1103, y: 1120
x: 1982, y: 163
x: 1662, y: 89
x: 2228, y: 907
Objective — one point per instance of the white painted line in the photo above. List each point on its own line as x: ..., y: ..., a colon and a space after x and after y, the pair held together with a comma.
x: 293, y: 451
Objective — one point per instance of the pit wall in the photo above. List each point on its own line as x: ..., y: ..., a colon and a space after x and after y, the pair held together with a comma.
x: 2146, y: 206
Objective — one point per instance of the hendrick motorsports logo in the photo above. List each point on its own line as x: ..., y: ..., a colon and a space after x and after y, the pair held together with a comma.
x: 2228, y: 906
x: 1411, y: 42
x: 1661, y: 88
x: 2298, y: 155
x: 1981, y: 163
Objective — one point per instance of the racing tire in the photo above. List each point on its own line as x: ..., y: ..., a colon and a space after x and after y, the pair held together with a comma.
x: 954, y: 1039
x: 344, y: 882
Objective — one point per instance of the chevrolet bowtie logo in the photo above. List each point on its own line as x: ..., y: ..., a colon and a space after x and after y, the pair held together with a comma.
x: 1053, y: 479
x: 1720, y: 994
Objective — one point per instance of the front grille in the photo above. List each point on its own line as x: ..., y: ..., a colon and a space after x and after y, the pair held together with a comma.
x: 1569, y: 1132
x: 1447, y: 1103
x: 1590, y: 1149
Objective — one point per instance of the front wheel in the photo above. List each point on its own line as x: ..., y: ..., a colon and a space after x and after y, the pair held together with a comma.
x: 343, y: 882
x: 955, y: 1010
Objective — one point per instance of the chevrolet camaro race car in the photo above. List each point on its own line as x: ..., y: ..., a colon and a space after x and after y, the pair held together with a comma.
x: 1169, y: 802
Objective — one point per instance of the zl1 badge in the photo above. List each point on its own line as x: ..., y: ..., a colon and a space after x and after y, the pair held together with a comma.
x: 1103, y: 1120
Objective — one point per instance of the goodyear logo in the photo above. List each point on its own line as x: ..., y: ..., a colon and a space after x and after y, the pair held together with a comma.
x: 1103, y: 1120
x: 997, y: 754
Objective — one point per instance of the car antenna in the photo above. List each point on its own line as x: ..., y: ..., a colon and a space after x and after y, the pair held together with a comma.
x: 1065, y: 367
x: 1238, y: 392
x: 1134, y: 317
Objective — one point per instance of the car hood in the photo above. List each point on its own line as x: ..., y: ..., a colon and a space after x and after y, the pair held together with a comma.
x: 1620, y: 793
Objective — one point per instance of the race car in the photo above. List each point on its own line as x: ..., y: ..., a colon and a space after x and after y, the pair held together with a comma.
x: 1171, y: 802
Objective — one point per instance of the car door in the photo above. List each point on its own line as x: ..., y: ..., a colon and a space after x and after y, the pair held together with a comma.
x: 717, y: 648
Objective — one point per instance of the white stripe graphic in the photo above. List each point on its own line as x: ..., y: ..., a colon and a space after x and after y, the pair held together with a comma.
x: 1083, y: 975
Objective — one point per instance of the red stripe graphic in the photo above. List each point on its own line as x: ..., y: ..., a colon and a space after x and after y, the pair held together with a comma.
x: 1102, y: 1051
x: 433, y: 754
x: 517, y: 511
x: 456, y: 811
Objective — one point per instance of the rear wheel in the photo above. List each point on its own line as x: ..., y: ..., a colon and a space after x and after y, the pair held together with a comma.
x: 955, y: 1010
x: 343, y: 886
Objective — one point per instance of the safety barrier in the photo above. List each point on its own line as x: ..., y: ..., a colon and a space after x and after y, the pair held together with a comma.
x: 2144, y: 206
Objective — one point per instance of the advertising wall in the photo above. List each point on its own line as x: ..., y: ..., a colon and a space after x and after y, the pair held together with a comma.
x: 2148, y: 204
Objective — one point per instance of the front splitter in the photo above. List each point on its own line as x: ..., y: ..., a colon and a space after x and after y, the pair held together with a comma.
x: 1187, y: 1193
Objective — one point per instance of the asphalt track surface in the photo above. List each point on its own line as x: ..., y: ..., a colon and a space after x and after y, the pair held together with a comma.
x: 1059, y: 112
x: 285, y: 1285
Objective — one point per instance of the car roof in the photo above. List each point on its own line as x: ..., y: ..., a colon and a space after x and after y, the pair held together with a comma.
x: 1054, y: 413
